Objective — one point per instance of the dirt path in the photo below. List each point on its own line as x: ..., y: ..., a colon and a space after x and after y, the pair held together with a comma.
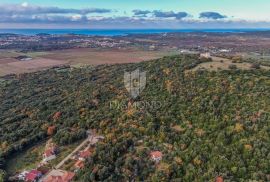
x: 60, y: 164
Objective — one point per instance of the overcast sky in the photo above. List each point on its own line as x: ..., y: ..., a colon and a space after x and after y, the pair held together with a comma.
x: 115, y: 14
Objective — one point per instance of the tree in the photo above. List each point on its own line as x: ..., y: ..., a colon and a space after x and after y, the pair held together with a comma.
x: 255, y: 66
x: 3, y: 175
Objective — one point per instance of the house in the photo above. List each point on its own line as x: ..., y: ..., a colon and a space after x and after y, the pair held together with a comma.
x: 96, y: 139
x: 205, y: 55
x: 79, y: 164
x: 33, y: 176
x: 84, y: 155
x: 49, y: 154
x: 59, y: 176
x: 156, y: 156
x: 219, y: 179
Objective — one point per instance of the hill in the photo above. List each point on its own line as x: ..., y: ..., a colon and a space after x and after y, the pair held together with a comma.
x: 207, y: 123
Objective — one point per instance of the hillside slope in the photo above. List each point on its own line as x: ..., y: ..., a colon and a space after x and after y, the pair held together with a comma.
x: 208, y: 124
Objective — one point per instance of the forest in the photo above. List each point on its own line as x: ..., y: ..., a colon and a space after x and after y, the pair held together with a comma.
x: 210, y: 123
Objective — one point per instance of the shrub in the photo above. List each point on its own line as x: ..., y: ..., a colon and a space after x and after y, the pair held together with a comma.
x: 255, y: 66
x: 232, y: 67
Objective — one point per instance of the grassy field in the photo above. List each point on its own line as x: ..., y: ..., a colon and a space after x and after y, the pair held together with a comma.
x: 84, y: 56
x: 108, y: 56
x: 224, y: 64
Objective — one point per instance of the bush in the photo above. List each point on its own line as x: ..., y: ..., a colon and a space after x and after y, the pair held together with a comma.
x: 3, y: 176
x: 255, y: 66
x: 232, y: 67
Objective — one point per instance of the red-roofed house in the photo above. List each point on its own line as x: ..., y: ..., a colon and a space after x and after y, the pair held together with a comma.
x: 33, y: 176
x: 79, y: 164
x: 49, y: 154
x: 219, y: 179
x: 156, y: 156
x: 84, y: 154
x: 59, y: 176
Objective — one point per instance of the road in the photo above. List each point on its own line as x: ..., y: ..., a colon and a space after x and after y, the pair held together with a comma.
x: 59, y: 165
x: 91, y: 136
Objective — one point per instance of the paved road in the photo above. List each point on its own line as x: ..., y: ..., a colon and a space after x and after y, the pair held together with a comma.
x: 59, y: 165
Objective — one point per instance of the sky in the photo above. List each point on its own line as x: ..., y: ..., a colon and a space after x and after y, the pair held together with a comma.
x: 135, y: 14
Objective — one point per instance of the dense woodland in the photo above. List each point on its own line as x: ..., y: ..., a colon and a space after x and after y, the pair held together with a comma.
x: 210, y: 123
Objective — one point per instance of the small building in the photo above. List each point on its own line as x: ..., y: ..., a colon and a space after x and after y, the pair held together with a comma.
x: 96, y: 139
x: 24, y: 58
x: 59, y: 176
x: 33, y: 176
x: 219, y: 179
x: 156, y: 156
x: 79, y: 164
x: 205, y: 55
x: 84, y: 155
x: 224, y: 50
x: 49, y: 154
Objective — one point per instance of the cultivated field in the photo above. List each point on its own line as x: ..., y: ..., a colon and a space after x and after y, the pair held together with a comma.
x: 15, y: 67
x: 108, y: 56
x: 86, y: 56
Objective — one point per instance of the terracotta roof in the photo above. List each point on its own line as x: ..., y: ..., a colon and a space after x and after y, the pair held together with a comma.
x: 85, y: 154
x: 79, y: 164
x: 66, y: 177
x: 156, y: 154
x: 219, y: 179
x: 32, y: 175
x: 49, y: 152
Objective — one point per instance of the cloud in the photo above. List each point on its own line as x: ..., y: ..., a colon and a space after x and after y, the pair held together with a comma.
x: 212, y: 15
x: 160, y: 14
x: 138, y: 12
x: 44, y: 19
x: 169, y: 14
x: 25, y: 4
x: 26, y: 15
x: 26, y: 9
x: 101, y: 22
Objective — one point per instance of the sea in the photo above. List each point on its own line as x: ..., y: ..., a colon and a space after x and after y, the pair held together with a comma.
x: 120, y: 32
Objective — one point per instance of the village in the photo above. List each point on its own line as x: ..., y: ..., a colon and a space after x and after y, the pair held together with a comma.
x: 75, y: 160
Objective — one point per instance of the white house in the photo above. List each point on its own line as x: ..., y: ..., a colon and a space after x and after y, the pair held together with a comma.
x: 49, y: 154
x: 205, y: 55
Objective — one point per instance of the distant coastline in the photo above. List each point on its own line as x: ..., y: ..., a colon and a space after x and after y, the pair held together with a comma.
x: 120, y: 32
